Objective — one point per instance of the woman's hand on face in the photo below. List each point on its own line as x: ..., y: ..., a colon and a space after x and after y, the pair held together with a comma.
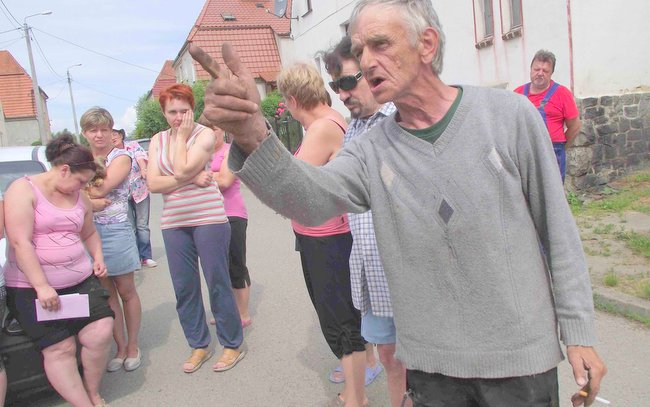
x: 48, y: 298
x: 187, y: 124
x: 203, y: 179
x: 99, y: 268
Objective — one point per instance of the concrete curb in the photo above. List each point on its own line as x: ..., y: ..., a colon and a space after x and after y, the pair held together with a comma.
x: 622, y: 303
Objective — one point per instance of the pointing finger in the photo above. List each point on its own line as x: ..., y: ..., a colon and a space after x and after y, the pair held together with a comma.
x: 207, y: 62
x: 231, y: 58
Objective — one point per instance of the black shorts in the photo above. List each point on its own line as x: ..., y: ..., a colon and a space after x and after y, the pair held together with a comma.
x: 239, y: 277
x: 326, y: 268
x: 20, y: 302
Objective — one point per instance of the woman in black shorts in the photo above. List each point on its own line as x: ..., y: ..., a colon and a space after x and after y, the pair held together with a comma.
x: 49, y: 227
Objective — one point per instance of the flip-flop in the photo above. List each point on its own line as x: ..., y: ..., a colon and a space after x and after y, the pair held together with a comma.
x: 372, y: 373
x: 336, y: 376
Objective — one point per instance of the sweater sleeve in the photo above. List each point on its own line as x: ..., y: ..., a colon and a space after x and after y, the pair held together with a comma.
x: 310, y: 195
x: 556, y: 228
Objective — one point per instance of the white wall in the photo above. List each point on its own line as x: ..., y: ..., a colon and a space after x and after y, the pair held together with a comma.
x: 611, y: 46
x: 611, y: 54
x: 318, y: 31
x: 185, y: 68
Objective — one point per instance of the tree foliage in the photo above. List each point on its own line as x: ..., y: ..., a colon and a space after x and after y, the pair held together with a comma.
x: 198, y: 89
x: 150, y: 119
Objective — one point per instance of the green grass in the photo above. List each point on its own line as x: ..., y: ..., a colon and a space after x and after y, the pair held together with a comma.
x: 606, y: 307
x: 641, y: 177
x: 604, y: 230
x: 646, y: 291
x: 611, y: 279
x: 637, y: 242
x: 629, y: 197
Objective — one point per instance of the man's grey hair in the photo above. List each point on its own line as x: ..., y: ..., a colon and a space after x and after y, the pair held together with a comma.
x: 418, y: 16
x: 544, y: 56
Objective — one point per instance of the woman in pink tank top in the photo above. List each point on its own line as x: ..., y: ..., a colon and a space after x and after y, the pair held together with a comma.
x: 233, y: 202
x: 49, y: 227
x: 325, y: 249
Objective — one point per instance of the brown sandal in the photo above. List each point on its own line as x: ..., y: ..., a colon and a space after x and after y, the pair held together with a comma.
x: 196, y: 359
x: 229, y: 358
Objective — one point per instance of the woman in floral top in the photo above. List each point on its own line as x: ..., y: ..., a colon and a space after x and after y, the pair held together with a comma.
x: 139, y: 200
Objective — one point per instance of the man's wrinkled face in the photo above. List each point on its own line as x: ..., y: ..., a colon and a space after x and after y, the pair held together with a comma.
x: 389, y: 60
x: 358, y: 100
x: 540, y: 74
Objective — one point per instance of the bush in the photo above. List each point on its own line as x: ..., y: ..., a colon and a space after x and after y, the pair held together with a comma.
x: 270, y: 104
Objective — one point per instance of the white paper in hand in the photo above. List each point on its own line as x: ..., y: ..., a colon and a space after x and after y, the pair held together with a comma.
x: 71, y: 306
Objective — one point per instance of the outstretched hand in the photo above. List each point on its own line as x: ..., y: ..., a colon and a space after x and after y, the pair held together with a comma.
x: 232, y: 101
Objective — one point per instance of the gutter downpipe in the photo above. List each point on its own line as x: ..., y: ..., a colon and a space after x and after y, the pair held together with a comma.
x: 568, y: 14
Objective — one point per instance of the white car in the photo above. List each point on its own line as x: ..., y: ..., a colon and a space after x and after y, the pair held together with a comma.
x: 16, y: 162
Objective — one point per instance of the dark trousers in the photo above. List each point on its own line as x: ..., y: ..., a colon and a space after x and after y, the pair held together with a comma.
x: 326, y: 268
x: 560, y: 156
x: 436, y: 390
x: 185, y: 247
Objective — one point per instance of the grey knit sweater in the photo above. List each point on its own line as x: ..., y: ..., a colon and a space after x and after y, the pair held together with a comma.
x: 481, y: 252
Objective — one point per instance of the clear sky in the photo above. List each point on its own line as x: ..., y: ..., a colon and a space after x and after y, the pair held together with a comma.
x: 143, y: 33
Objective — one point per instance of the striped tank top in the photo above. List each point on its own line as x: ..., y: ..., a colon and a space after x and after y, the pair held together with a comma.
x: 189, y: 205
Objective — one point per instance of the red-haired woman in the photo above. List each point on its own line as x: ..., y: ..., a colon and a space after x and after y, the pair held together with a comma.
x: 195, y: 228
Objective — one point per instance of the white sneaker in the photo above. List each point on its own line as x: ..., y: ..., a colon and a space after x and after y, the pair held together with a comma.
x: 149, y: 263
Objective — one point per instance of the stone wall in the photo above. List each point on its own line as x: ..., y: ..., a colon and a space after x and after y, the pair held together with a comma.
x: 615, y: 139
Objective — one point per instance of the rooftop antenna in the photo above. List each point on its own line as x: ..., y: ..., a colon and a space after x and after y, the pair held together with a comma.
x: 279, y: 9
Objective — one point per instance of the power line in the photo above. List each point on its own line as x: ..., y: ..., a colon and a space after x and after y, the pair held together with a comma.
x: 53, y: 82
x: 104, y: 93
x: 45, y: 58
x: 99, y: 53
x: 12, y: 16
x: 8, y: 31
x: 7, y: 44
x: 60, y: 91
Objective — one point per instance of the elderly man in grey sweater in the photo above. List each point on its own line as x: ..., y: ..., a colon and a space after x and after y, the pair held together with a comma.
x: 482, y: 255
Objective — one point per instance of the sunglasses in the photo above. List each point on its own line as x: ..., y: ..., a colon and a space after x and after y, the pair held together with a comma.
x: 346, y: 82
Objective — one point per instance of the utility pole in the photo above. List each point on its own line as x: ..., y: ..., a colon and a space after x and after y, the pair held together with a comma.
x: 37, y: 93
x: 74, y: 112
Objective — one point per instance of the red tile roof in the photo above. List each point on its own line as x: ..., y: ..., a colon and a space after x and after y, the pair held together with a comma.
x: 165, y: 79
x: 252, y: 33
x: 256, y: 47
x: 246, y: 13
x: 16, y: 89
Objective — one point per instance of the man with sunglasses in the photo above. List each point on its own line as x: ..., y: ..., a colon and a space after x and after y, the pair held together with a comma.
x: 481, y: 252
x: 370, y: 292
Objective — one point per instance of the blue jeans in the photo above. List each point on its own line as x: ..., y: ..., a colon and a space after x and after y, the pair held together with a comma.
x: 139, y: 218
x: 185, y: 246
x: 560, y: 155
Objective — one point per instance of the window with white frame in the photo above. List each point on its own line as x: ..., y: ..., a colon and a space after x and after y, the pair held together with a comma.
x: 515, y: 14
x: 483, y: 22
x: 488, y: 18
x: 511, y: 19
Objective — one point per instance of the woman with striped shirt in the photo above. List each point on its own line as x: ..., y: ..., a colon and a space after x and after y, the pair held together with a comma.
x: 195, y: 228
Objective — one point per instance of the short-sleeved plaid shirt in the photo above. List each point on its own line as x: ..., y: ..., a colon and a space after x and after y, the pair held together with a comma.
x: 367, y: 278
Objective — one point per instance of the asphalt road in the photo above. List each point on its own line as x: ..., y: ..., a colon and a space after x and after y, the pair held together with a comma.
x: 288, y: 360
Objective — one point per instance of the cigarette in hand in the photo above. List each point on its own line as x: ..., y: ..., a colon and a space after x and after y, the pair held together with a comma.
x: 599, y: 399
